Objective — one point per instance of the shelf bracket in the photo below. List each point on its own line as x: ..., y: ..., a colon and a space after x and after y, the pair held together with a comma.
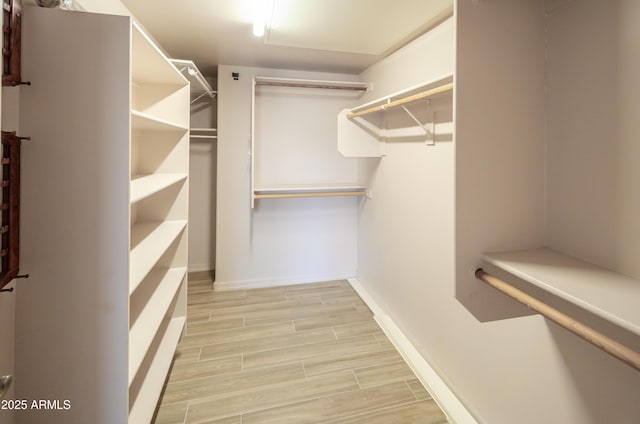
x: 428, y: 128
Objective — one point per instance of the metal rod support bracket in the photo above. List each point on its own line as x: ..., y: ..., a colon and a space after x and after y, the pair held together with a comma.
x: 427, y: 128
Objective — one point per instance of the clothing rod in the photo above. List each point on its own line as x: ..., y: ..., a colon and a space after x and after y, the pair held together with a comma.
x: 301, y: 83
x: 612, y: 347
x: 194, y: 72
x: 203, y: 136
x: 200, y: 78
x: 419, y: 96
x: 318, y: 194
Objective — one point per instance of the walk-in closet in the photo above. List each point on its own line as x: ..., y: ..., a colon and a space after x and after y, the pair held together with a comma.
x: 330, y: 211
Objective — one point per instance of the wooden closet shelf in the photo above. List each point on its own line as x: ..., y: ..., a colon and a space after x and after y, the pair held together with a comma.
x: 444, y: 88
x: 612, y: 347
x: 604, y: 293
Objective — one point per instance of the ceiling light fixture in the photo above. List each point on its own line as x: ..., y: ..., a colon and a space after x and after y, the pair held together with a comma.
x: 261, y: 15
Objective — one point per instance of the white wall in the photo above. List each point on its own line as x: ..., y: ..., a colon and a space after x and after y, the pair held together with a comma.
x: 417, y: 252
x: 593, y: 126
x: 406, y: 232
x: 9, y: 117
x: 202, y: 188
x: 282, y: 240
x: 72, y: 313
x: 7, y: 335
x: 545, y: 374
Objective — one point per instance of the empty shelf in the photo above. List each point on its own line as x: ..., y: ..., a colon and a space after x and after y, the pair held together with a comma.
x: 149, y: 241
x: 149, y: 64
x: 152, y: 313
x: 604, y: 293
x: 144, y: 121
x: 146, y: 400
x: 145, y: 185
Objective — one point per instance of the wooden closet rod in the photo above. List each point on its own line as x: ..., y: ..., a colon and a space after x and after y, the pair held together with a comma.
x: 612, y: 347
x: 331, y: 85
x: 318, y: 194
x: 420, y: 96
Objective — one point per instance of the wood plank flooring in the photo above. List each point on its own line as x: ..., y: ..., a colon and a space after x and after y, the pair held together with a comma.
x: 299, y: 354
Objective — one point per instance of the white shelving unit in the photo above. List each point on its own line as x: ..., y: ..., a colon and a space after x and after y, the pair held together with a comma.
x: 158, y: 245
x: 109, y: 165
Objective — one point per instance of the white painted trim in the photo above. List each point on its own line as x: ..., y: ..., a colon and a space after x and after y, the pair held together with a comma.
x: 441, y: 393
x: 275, y: 282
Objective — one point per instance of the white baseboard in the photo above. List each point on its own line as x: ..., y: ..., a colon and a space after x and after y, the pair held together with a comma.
x: 446, y: 399
x: 274, y: 282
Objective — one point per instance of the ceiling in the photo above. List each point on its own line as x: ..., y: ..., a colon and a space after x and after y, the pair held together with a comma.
x: 322, y: 35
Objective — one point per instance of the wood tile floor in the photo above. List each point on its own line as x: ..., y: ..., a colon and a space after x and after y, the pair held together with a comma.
x: 299, y: 354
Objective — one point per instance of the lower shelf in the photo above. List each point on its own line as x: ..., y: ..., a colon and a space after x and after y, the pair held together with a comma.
x: 142, y: 408
x: 602, y: 292
x: 149, y: 316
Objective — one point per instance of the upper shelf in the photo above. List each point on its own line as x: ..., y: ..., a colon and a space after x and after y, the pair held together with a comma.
x: 149, y: 64
x: 366, y: 137
x: 607, y: 294
x: 410, y: 95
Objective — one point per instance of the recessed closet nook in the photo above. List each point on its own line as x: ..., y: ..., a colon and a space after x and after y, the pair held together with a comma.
x: 493, y: 157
